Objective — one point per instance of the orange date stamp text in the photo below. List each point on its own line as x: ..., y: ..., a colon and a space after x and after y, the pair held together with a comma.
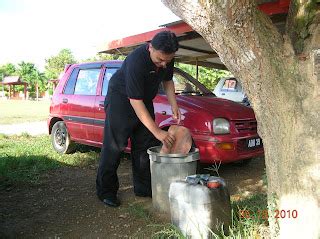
x: 265, y: 214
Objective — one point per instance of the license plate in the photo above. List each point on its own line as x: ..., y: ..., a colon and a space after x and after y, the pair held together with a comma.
x: 254, y: 143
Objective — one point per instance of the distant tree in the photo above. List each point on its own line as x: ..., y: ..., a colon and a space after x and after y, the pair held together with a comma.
x: 207, y: 76
x: 7, y: 70
x: 36, y: 81
x: 55, y: 64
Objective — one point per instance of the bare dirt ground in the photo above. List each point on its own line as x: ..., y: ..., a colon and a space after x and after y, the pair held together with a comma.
x: 64, y: 205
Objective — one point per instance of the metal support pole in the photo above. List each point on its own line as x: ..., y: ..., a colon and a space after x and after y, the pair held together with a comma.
x: 197, y: 71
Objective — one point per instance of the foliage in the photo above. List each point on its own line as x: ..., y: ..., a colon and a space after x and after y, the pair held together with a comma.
x: 30, y: 74
x: 56, y: 64
x: 167, y: 231
x: 7, y: 70
x: 207, y: 76
x: 139, y: 211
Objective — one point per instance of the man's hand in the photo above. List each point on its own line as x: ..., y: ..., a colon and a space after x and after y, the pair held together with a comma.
x: 176, y: 114
x: 166, y: 138
x: 169, y: 88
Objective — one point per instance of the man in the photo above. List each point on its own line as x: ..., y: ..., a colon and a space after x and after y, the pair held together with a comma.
x: 130, y: 114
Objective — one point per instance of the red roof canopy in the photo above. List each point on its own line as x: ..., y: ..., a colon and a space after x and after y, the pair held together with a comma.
x: 193, y: 49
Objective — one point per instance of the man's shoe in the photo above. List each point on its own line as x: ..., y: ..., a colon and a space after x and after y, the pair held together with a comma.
x: 111, y: 202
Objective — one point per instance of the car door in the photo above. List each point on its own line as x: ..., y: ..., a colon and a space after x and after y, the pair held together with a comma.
x: 79, y: 96
x: 99, y: 111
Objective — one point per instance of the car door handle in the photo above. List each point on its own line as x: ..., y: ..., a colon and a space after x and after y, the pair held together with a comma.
x: 223, y: 93
x: 64, y: 100
x: 163, y: 112
x: 101, y: 103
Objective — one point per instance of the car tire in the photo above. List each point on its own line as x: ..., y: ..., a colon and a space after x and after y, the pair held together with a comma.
x: 60, y: 139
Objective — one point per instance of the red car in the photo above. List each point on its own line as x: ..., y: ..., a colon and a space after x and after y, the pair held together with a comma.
x: 222, y: 130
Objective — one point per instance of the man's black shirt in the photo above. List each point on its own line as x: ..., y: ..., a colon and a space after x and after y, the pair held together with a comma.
x: 138, y: 77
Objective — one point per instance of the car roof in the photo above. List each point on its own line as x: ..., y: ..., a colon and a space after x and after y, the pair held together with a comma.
x: 112, y: 63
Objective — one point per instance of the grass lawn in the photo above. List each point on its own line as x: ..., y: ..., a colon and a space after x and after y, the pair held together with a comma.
x: 19, y: 111
x: 23, y: 158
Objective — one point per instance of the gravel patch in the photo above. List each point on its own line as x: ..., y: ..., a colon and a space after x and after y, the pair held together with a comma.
x: 31, y: 128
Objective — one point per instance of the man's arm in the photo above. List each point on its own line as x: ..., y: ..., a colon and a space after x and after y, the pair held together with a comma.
x: 144, y: 116
x: 170, y: 92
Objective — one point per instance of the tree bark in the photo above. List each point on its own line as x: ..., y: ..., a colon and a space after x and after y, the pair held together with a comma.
x: 281, y: 78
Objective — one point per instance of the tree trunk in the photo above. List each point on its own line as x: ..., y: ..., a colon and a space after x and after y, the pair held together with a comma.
x: 281, y: 75
x: 37, y: 91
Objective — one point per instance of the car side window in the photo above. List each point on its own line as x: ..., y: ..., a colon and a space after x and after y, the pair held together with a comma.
x: 107, y: 76
x: 87, y: 82
x: 69, y: 88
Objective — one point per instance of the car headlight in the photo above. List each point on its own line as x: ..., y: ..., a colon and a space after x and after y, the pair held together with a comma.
x: 221, y: 126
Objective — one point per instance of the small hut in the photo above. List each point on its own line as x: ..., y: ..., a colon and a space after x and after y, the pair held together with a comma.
x: 11, y: 82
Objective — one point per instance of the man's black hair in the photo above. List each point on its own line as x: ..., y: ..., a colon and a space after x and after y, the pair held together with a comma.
x: 166, y: 42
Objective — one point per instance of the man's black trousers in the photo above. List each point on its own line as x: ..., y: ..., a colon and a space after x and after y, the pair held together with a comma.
x: 122, y: 123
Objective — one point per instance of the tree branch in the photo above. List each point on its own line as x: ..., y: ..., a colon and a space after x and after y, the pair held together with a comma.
x: 300, y: 18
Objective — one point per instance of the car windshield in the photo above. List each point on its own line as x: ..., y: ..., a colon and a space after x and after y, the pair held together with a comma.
x: 185, y: 84
x: 182, y: 85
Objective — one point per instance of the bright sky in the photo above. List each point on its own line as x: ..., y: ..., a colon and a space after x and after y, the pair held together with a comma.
x: 33, y: 30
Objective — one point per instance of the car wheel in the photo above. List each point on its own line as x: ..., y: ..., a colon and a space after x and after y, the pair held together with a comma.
x: 60, y: 138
